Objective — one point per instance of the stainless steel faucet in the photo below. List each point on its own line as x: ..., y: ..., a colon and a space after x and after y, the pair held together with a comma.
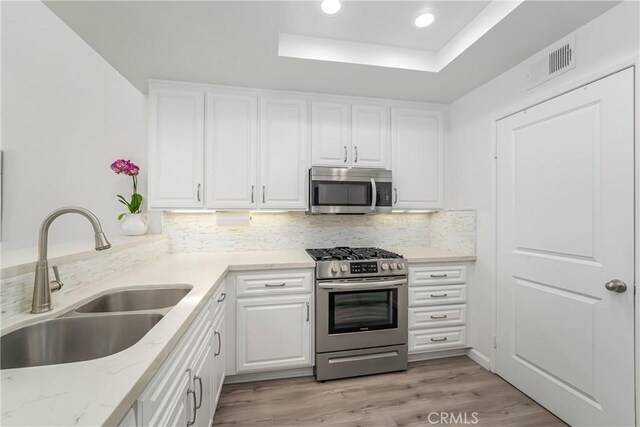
x: 42, y: 286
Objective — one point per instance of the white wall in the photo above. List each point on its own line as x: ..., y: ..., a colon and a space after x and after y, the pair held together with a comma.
x: 66, y: 114
x: 609, y: 39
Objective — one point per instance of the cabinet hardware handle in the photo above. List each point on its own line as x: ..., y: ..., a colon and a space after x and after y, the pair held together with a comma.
x: 253, y: 188
x: 271, y: 285
x: 199, y: 379
x: 223, y: 296
x: 217, y: 334
x: 438, y: 295
x: 307, y: 312
x: 444, y: 316
x: 193, y: 396
x: 438, y: 276
x: 439, y: 339
x: 356, y: 160
x: 263, y: 191
x: 345, y: 154
x: 199, y: 186
x: 395, y: 194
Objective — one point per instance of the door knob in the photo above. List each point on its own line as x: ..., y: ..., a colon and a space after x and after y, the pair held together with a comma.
x: 616, y: 285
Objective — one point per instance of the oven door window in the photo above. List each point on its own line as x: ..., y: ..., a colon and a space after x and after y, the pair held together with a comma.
x: 333, y: 193
x: 360, y: 311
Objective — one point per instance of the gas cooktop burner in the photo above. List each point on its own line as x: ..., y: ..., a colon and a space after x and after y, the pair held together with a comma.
x: 344, y: 253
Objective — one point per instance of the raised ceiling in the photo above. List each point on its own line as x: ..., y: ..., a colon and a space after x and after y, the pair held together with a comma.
x: 237, y: 42
x: 382, y: 22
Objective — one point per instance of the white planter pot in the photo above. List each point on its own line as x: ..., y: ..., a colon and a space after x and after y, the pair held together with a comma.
x: 134, y: 224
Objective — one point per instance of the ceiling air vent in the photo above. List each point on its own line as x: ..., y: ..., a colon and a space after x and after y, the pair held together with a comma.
x: 559, y: 59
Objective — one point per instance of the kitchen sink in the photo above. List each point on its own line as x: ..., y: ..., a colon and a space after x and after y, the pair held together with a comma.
x: 73, y: 339
x: 135, y: 300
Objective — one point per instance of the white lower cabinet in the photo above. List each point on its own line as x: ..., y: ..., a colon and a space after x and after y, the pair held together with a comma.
x: 182, y: 392
x: 437, y: 307
x: 219, y: 348
x: 274, y: 333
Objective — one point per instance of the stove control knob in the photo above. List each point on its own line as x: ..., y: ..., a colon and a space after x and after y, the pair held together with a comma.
x: 400, y: 266
x: 334, y: 268
x: 344, y: 268
x: 392, y: 266
x: 384, y: 266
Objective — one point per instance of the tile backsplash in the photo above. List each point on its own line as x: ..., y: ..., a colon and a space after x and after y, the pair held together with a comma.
x: 16, y: 292
x: 193, y: 232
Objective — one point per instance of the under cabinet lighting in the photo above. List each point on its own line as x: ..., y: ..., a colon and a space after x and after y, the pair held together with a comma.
x: 330, y: 7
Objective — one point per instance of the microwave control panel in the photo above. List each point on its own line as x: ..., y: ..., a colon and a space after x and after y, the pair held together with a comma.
x: 364, y: 267
x: 383, y: 194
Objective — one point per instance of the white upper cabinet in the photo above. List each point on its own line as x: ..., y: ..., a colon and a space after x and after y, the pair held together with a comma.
x: 417, y: 158
x: 370, y: 137
x: 231, y: 151
x: 331, y: 134
x: 176, y: 144
x: 284, y: 164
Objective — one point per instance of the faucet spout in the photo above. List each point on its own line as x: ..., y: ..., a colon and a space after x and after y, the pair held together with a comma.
x: 42, y: 286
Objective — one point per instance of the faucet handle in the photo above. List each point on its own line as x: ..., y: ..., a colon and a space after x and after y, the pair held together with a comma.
x: 56, y: 284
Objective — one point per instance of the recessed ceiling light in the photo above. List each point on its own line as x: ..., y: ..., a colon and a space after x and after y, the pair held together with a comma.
x: 331, y: 7
x: 424, y: 20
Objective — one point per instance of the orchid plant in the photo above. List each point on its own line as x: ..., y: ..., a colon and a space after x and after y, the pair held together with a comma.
x: 130, y: 169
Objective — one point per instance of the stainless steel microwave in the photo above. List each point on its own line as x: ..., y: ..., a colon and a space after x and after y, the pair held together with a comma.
x: 349, y: 191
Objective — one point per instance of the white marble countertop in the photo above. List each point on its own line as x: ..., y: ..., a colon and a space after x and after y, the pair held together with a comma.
x: 100, y: 391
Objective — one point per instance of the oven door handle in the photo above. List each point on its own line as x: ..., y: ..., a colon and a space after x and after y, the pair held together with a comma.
x: 363, y: 285
x: 374, y: 194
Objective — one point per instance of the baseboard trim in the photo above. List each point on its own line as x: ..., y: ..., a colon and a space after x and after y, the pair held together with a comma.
x: 271, y: 375
x: 479, y: 358
x: 417, y: 357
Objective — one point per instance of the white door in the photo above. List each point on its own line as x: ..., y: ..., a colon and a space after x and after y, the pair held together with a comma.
x: 219, y: 356
x: 284, y: 164
x: 565, y: 228
x: 176, y: 144
x: 330, y: 134
x: 203, y: 381
x: 417, y: 158
x: 231, y: 151
x: 273, y: 333
x: 370, y: 136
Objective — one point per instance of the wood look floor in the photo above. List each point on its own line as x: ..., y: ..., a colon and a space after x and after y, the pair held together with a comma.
x: 451, y: 385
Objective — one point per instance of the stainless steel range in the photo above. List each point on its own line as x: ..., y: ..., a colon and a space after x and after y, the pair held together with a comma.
x: 361, y: 312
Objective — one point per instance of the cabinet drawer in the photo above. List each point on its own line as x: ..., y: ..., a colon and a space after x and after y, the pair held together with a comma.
x: 437, y: 275
x: 437, y: 317
x: 437, y: 339
x: 437, y: 295
x: 219, y: 298
x: 282, y: 282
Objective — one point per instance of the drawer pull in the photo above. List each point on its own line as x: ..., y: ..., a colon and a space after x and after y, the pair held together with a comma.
x: 438, y: 339
x: 444, y: 316
x: 223, y: 296
x: 438, y: 295
x: 271, y: 285
x: 439, y: 276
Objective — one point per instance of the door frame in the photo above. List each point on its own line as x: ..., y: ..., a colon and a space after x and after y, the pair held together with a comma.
x: 548, y: 94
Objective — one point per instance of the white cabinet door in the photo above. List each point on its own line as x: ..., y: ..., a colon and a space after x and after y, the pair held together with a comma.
x: 203, y: 381
x: 330, y: 134
x: 370, y: 136
x: 417, y: 158
x: 231, y: 151
x: 273, y: 333
x: 176, y: 144
x: 284, y: 165
x: 219, y: 337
